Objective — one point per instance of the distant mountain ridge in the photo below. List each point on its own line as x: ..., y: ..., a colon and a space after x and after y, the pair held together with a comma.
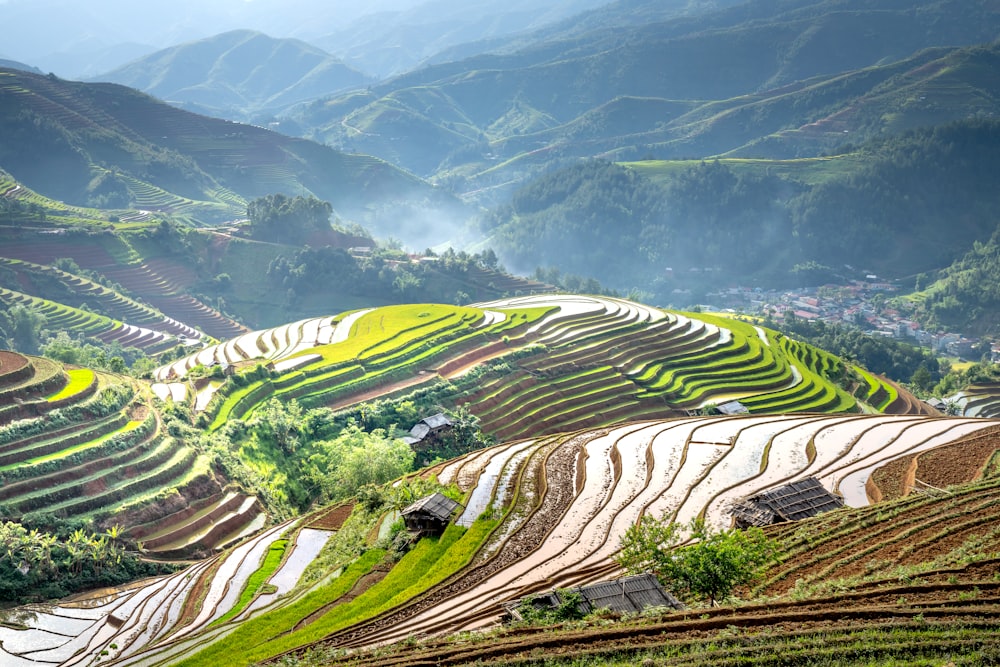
x: 392, y: 42
x: 13, y: 64
x: 238, y: 73
x: 460, y: 120
x: 77, y: 141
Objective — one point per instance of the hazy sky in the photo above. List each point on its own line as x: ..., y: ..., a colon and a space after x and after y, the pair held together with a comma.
x: 86, y: 38
x: 37, y: 31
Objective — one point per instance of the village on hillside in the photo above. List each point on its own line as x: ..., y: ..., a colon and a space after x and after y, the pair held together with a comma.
x: 862, y: 303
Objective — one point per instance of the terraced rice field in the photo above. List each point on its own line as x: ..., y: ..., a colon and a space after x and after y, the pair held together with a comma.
x: 77, y: 322
x: 121, y: 623
x: 565, y: 501
x: 545, y: 509
x: 978, y: 400
x: 84, y: 444
x: 158, y: 283
x: 598, y: 361
x: 590, y: 486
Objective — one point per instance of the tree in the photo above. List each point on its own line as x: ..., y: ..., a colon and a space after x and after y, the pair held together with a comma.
x: 710, y: 568
x: 354, y: 459
x: 26, y: 329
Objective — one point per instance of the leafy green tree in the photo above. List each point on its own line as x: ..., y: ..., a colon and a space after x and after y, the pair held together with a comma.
x: 26, y: 329
x: 710, y: 568
x: 354, y: 459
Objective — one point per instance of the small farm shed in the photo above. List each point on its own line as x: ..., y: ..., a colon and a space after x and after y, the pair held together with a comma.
x: 626, y: 595
x: 732, y: 408
x: 791, y: 502
x: 427, y: 427
x: 430, y: 514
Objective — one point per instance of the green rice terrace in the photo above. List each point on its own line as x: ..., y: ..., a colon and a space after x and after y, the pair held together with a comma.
x: 603, y: 411
x: 80, y: 444
x: 534, y: 365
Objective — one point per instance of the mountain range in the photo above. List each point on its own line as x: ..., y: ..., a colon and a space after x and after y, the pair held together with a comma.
x: 238, y: 74
x: 703, y: 85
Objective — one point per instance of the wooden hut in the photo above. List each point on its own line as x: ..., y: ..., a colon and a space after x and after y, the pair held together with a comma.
x: 427, y: 428
x: 625, y: 595
x: 430, y: 514
x: 791, y: 502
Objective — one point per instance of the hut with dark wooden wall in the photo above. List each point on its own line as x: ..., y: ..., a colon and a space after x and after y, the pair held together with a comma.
x: 791, y: 502
x: 430, y: 514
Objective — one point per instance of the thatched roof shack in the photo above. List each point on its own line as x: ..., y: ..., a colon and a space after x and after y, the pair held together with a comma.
x: 625, y: 595
x: 791, y: 502
x: 430, y: 514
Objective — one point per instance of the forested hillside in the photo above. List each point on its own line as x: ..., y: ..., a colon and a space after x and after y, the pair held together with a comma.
x: 965, y: 295
x: 109, y: 146
x: 896, y: 206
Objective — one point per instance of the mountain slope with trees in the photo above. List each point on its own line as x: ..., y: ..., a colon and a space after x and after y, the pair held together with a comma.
x: 712, y: 83
x: 881, y: 208
x: 965, y: 295
x: 78, y: 142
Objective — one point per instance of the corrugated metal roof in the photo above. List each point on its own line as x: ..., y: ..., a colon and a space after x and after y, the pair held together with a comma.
x: 797, y: 500
x: 418, y: 432
x: 425, y: 426
x: 437, y: 421
x: 633, y: 594
x: 436, y: 505
x: 627, y: 594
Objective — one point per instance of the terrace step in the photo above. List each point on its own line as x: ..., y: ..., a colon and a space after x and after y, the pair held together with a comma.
x: 74, y: 474
x: 57, y: 452
x: 47, y: 377
x: 69, y: 484
x: 228, y: 526
x: 162, y: 475
x: 14, y: 368
x: 180, y: 528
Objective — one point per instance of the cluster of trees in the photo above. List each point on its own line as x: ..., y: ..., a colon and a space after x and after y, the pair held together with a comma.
x: 897, y: 360
x: 24, y: 329
x: 21, y: 329
x: 605, y: 221
x: 37, y: 565
x: 295, y: 457
x: 386, y: 273
x: 15, y: 211
x: 282, y: 219
x: 954, y: 381
x: 96, y: 354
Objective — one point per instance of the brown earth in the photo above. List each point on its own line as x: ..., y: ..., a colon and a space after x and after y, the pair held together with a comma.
x: 956, y: 463
x: 332, y: 519
x: 965, y: 596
